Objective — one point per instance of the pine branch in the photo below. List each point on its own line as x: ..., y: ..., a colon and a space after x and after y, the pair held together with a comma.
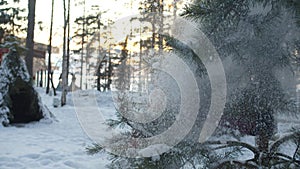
x: 94, y: 149
x: 277, y: 143
x: 228, y: 144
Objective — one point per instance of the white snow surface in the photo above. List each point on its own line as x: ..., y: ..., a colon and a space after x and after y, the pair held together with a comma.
x: 60, y: 143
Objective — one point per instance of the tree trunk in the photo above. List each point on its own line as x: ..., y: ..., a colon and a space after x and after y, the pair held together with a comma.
x: 52, y: 84
x: 41, y: 79
x: 37, y: 78
x: 82, y: 43
x: 30, y: 36
x: 161, y: 25
x: 262, y: 142
x: 50, y: 50
x: 98, y: 78
x: 265, y: 128
x: 68, y: 43
x: 64, y: 63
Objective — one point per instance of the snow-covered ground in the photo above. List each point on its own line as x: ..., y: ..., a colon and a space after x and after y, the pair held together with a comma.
x: 58, y: 144
x: 61, y: 142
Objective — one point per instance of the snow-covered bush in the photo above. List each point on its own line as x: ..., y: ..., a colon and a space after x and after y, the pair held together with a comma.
x: 19, y: 101
x: 4, y: 112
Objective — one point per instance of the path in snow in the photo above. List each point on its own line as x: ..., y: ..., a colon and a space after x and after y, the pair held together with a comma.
x: 44, y: 145
x: 93, y: 116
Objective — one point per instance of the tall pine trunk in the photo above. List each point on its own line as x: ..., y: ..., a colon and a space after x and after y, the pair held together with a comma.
x: 68, y: 43
x: 30, y: 36
x: 65, y: 60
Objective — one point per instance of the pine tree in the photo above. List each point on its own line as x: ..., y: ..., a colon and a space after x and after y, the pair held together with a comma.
x: 252, y: 38
x: 253, y: 34
x: 11, y: 19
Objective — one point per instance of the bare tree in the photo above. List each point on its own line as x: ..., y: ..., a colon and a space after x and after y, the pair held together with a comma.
x: 50, y: 51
